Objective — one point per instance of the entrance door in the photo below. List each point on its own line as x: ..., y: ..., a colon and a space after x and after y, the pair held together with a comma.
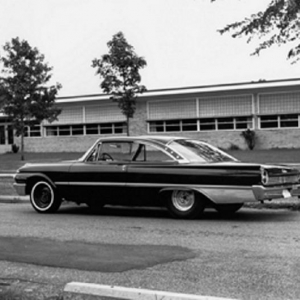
x: 2, y: 135
x: 10, y: 134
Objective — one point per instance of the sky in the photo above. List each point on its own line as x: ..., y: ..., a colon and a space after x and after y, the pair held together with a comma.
x: 179, y: 39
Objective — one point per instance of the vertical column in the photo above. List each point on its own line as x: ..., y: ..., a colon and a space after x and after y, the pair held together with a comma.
x: 255, y: 110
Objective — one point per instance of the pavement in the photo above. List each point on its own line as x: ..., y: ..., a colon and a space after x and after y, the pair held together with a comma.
x: 90, y: 291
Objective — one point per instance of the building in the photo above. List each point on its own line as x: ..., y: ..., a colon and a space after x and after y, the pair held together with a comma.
x: 217, y: 114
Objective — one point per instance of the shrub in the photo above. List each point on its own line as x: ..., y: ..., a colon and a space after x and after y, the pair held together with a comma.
x: 250, y: 138
x: 14, y: 148
x: 233, y: 147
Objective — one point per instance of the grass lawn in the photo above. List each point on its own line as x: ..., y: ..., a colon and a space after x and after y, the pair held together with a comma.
x: 10, y: 162
x: 291, y: 156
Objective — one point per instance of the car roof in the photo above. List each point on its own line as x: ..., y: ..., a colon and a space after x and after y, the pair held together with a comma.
x: 153, y: 138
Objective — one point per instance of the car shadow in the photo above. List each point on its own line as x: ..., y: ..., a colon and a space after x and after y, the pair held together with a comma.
x: 243, y: 215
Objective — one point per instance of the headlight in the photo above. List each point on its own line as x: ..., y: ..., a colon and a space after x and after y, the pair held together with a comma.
x: 264, y: 177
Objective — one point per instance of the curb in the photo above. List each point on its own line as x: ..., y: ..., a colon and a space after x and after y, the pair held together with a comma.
x: 86, y: 291
x: 14, y: 199
x: 7, y: 175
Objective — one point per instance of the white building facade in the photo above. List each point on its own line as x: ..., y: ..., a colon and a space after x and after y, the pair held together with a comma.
x: 216, y: 114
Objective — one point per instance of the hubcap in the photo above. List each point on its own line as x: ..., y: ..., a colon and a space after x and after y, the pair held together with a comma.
x: 183, y: 200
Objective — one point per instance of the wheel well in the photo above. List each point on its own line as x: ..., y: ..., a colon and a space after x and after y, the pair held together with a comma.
x: 33, y: 180
x: 165, y: 193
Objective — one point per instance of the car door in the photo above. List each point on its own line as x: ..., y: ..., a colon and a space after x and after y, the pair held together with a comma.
x: 103, y: 173
x: 150, y: 170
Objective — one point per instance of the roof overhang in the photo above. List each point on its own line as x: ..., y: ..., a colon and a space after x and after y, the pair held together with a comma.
x: 258, y: 85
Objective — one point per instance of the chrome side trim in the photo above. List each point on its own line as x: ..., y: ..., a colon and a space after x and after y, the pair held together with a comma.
x: 159, y: 185
x: 78, y: 183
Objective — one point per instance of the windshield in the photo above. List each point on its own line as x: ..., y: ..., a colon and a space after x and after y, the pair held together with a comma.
x: 197, y: 151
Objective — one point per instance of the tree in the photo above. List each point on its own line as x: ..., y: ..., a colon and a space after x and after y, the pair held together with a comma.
x: 25, y: 98
x: 119, y: 71
x: 278, y: 24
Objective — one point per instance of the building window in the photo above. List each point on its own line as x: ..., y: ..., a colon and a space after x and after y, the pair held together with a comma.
x: 206, y: 124
x: 33, y: 131
x: 106, y: 128
x: 190, y: 125
x: 85, y: 129
x: 172, y: 126
x: 77, y: 129
x: 63, y: 130
x: 156, y: 126
x: 225, y: 123
x: 279, y: 121
x: 92, y: 129
x: 289, y: 121
x: 243, y: 123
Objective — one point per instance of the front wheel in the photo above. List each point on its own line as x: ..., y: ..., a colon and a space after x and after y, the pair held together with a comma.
x: 185, y: 204
x: 44, y: 198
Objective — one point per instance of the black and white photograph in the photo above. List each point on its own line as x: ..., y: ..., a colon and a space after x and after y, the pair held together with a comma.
x: 149, y: 149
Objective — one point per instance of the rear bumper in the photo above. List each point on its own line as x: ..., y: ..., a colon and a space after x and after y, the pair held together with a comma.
x: 243, y: 194
x: 268, y: 193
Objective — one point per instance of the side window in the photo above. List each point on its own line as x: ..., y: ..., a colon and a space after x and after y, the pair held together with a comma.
x: 117, y: 151
x: 94, y: 154
x: 150, y: 153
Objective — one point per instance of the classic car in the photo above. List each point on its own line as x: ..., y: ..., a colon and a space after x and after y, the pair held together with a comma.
x: 182, y: 174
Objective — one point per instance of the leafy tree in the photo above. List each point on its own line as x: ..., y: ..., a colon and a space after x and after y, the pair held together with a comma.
x: 278, y: 24
x: 25, y: 98
x: 119, y: 71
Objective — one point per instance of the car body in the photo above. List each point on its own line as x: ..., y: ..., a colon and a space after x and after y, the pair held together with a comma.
x: 183, y: 174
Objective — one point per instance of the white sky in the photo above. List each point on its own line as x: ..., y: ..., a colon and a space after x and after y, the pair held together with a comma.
x: 178, y: 39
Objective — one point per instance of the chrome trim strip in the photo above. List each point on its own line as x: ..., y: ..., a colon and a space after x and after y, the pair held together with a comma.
x: 78, y: 183
x: 166, y: 185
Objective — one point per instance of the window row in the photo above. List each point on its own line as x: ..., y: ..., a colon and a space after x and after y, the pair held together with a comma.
x: 208, y: 124
x: 75, y: 129
x: 279, y: 121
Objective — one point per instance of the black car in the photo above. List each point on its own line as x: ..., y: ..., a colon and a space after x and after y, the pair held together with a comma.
x: 185, y: 175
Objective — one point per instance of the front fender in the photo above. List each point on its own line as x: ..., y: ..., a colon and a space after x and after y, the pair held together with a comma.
x: 23, y: 182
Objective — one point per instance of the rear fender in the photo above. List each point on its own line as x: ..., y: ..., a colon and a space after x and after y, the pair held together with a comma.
x: 198, y: 190
x: 220, y: 194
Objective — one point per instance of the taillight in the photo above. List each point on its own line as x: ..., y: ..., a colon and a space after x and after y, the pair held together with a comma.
x: 264, y: 176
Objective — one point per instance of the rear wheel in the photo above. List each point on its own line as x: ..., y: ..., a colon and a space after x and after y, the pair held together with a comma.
x: 185, y: 204
x: 44, y: 198
x: 228, y: 209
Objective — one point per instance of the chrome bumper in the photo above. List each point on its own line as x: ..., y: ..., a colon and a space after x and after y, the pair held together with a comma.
x: 20, y: 188
x: 268, y: 193
x: 242, y: 194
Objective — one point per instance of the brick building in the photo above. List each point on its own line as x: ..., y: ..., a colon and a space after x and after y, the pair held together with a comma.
x: 217, y: 114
